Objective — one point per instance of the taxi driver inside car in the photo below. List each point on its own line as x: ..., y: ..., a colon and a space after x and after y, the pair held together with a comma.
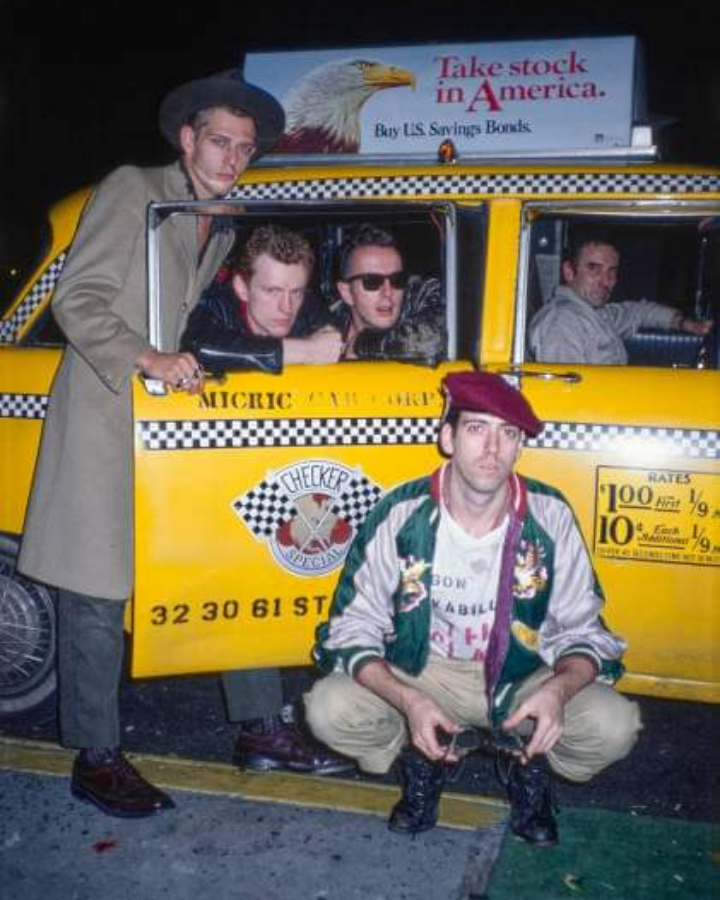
x: 580, y: 325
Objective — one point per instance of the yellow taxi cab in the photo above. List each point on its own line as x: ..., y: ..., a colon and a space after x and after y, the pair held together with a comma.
x: 248, y: 496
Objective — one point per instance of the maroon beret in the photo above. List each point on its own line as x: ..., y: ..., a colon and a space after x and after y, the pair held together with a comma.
x: 488, y: 393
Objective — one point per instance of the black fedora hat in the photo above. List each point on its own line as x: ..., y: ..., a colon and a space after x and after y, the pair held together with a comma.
x: 227, y: 88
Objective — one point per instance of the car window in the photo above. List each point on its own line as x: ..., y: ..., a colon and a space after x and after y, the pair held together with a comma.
x: 425, y: 234
x: 607, y: 289
x: 31, y: 245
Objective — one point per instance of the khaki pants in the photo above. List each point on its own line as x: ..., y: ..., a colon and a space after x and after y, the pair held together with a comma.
x: 601, y: 726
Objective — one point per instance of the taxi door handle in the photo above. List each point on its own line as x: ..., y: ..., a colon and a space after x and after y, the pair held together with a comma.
x: 157, y: 388
x: 567, y: 377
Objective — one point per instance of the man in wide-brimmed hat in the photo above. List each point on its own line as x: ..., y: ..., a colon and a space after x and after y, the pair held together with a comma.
x: 79, y: 528
x: 468, y: 601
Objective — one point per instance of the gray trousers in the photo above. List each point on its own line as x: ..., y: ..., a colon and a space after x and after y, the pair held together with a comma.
x: 252, y: 693
x: 91, y: 650
x: 90, y: 661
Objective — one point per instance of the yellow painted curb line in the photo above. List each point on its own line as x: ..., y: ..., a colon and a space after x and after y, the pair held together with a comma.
x: 466, y: 811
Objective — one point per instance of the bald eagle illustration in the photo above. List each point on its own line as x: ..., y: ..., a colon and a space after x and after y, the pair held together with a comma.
x: 323, y: 110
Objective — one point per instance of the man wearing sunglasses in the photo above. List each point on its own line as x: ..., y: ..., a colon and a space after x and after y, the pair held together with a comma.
x: 383, y: 313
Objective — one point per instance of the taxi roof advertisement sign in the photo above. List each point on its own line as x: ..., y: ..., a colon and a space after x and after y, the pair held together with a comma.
x: 574, y: 94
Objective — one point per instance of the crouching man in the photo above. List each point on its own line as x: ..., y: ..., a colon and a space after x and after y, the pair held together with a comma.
x: 468, y: 600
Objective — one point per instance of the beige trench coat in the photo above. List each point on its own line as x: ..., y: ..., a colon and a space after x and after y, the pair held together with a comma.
x: 79, y: 526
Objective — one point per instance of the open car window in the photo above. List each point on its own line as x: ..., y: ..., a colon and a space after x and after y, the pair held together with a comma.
x: 670, y: 258
x: 427, y: 234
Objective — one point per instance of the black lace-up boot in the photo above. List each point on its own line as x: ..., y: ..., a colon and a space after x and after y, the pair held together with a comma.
x: 422, y: 783
x: 530, y: 791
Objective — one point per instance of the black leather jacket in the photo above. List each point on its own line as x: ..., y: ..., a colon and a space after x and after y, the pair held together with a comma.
x: 218, y: 335
x: 419, y: 335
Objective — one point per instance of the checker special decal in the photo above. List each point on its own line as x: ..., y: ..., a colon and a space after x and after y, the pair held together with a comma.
x: 46, y: 282
x: 461, y: 184
x: 308, y: 512
x: 219, y: 434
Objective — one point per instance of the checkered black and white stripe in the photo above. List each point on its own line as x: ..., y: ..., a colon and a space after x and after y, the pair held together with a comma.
x: 23, y: 406
x: 358, y: 498
x: 10, y: 328
x: 225, y: 433
x: 675, y: 442
x: 265, y: 508
x: 621, y: 181
x: 572, y: 436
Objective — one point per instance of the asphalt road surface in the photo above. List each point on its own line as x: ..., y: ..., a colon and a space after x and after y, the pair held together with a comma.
x: 673, y: 772
x: 646, y: 829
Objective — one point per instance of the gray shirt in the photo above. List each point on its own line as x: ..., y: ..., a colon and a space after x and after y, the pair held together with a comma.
x: 569, y: 330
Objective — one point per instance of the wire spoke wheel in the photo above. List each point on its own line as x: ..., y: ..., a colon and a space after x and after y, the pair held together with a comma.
x: 27, y: 645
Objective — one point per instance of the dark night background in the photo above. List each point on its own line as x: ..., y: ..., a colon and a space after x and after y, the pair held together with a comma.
x: 80, y: 87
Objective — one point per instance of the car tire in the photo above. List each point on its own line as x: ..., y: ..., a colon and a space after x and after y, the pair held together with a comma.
x: 28, y: 648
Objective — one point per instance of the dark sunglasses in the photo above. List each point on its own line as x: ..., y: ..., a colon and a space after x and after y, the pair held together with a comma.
x: 481, y: 740
x: 373, y: 281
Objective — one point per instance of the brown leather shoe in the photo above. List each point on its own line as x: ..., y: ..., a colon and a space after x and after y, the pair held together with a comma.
x: 117, y: 788
x: 286, y: 747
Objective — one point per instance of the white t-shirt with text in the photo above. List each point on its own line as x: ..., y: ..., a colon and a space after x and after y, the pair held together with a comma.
x: 464, y: 589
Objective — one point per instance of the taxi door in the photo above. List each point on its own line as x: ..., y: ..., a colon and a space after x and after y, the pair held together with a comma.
x: 635, y: 449
x: 247, y: 497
